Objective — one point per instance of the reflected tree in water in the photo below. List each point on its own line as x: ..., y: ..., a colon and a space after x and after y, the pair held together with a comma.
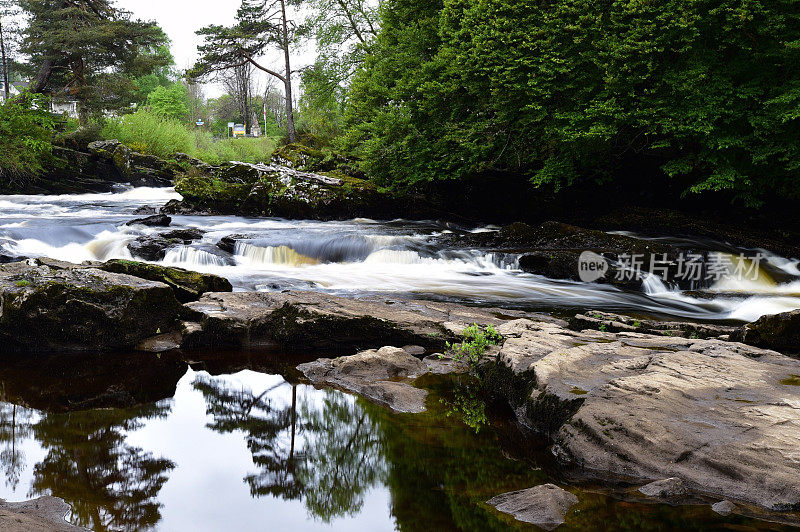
x: 327, y: 453
x: 15, y: 426
x: 110, y: 484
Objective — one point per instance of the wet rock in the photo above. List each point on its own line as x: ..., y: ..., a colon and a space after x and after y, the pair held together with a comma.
x: 780, y: 332
x: 187, y: 285
x: 669, y: 488
x: 610, y: 322
x: 441, y: 364
x: 145, y: 211
x: 37, y: 515
x: 721, y: 416
x: 152, y: 248
x: 228, y: 243
x: 545, y: 506
x: 82, y: 309
x: 158, y: 220
x: 316, y: 322
x: 373, y: 374
x: 187, y: 235
x: 724, y: 508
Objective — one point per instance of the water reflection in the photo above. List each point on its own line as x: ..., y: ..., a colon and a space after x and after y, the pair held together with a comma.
x: 110, y: 484
x: 253, y: 450
x: 329, y: 458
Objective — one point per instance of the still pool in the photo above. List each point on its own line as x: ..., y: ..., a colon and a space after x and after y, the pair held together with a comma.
x: 252, y: 450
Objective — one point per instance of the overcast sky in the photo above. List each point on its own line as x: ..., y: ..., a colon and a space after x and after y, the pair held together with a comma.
x: 180, y: 19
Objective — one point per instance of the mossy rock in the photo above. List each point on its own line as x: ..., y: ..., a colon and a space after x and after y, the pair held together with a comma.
x: 82, y: 309
x: 187, y: 285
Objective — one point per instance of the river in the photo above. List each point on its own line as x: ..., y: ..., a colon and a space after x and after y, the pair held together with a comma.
x: 361, y: 256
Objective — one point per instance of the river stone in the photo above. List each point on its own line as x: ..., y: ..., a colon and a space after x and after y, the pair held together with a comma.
x: 545, y: 506
x: 371, y: 374
x: 37, y: 515
x: 724, y: 508
x: 669, y: 488
x: 81, y: 309
x: 618, y: 323
x: 157, y: 220
x: 719, y: 415
x: 780, y: 332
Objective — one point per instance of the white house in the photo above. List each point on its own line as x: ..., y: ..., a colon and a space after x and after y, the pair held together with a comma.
x: 58, y: 105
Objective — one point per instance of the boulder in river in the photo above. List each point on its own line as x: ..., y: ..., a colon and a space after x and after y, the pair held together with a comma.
x: 375, y: 375
x: 81, y: 309
x: 157, y: 220
x: 545, y: 506
x: 780, y: 332
x: 136, y: 168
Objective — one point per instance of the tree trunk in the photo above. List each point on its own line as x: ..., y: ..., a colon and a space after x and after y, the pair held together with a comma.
x: 45, y: 71
x: 288, y: 78
x: 6, y: 88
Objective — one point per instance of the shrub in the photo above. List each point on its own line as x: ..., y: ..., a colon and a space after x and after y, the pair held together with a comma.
x: 26, y: 131
x: 476, y: 342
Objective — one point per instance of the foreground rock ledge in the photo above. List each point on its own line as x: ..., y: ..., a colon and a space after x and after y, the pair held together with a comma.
x: 721, y: 416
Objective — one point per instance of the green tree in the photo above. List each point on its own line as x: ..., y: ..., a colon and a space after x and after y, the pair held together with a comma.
x: 170, y: 102
x: 260, y: 25
x: 90, y: 51
x: 568, y: 92
x: 26, y: 132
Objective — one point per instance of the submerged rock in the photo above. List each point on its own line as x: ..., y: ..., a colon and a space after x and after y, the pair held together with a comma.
x: 545, y: 506
x: 669, y: 488
x: 721, y: 416
x: 724, y: 508
x: 81, y: 309
x: 780, y: 332
x: 37, y: 515
x: 374, y: 374
x: 187, y: 285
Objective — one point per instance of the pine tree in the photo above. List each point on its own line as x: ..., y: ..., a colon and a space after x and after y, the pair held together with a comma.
x: 90, y: 51
x: 260, y: 25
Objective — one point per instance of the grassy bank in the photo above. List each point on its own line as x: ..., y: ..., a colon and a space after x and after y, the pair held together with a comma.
x: 153, y: 135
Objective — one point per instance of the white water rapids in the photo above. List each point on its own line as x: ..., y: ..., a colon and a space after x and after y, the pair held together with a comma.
x: 357, y: 257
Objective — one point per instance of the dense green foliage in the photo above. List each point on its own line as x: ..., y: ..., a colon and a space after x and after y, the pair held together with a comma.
x: 570, y: 91
x: 476, y: 341
x: 169, y: 102
x: 152, y: 134
x: 25, y: 137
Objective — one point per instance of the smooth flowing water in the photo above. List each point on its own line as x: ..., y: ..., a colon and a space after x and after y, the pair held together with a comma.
x: 365, y: 256
x: 251, y: 450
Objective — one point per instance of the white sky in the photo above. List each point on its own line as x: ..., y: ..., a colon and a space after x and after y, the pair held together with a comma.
x: 180, y: 19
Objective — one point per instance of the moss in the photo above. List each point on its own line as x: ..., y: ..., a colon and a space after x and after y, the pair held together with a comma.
x: 548, y: 412
x: 187, y: 285
x: 22, y: 283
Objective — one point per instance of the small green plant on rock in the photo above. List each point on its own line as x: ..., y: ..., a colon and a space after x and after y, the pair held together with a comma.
x: 476, y: 342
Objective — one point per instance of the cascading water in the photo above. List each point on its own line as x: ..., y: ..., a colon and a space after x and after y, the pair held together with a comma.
x: 361, y: 257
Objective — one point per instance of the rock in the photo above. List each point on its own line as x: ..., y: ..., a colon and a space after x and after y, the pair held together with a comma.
x: 545, y: 506
x: 145, y: 211
x: 440, y: 364
x: 45, y: 514
x: 316, y: 322
x: 724, y: 508
x: 228, y: 243
x: 82, y: 309
x: 134, y: 167
x: 669, y: 488
x: 158, y: 220
x: 187, y: 285
x: 371, y: 374
x: 416, y: 350
x: 780, y: 332
x: 610, y: 322
x: 187, y: 235
x: 276, y: 190
x: 152, y: 248
x: 724, y: 417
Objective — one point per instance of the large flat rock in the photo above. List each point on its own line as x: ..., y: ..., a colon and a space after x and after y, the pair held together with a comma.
x: 45, y: 514
x: 320, y: 322
x: 721, y: 416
